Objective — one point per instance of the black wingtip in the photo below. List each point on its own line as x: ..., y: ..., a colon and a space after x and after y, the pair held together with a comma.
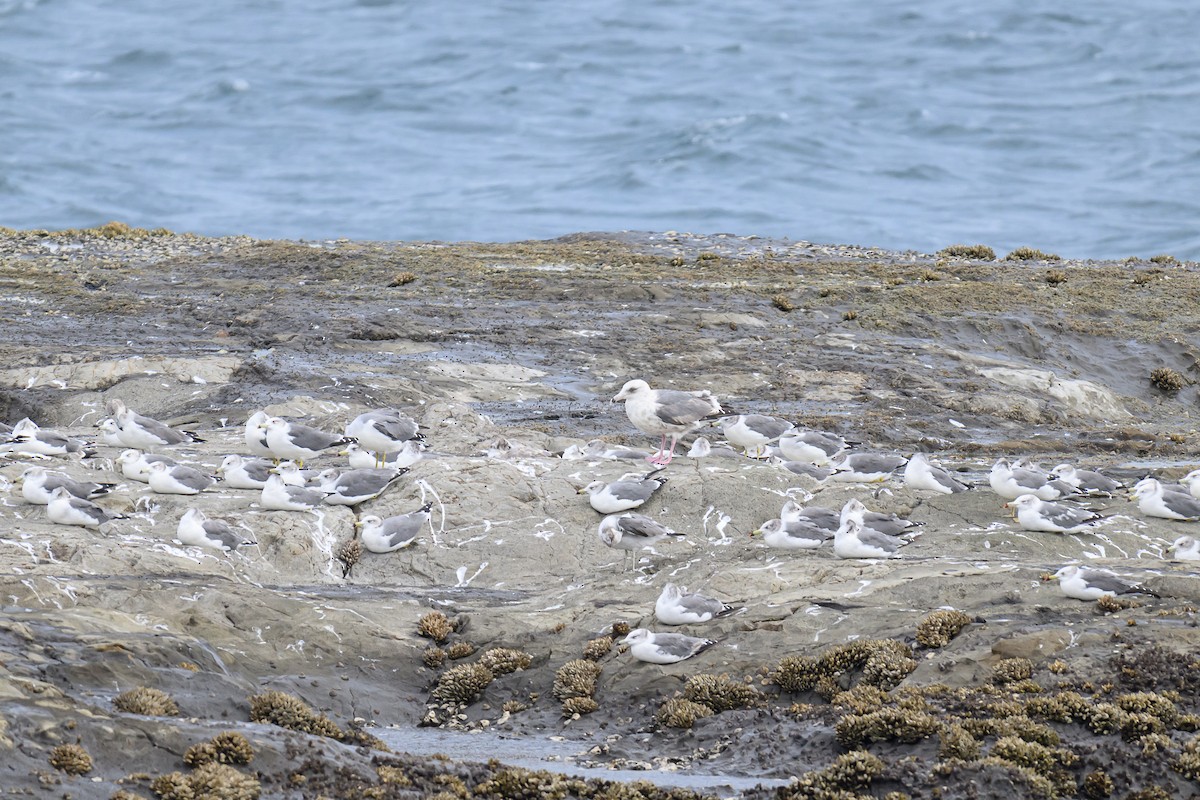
x: 426, y: 508
x: 193, y: 437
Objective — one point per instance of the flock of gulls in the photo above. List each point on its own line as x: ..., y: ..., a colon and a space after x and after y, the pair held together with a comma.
x: 381, y: 445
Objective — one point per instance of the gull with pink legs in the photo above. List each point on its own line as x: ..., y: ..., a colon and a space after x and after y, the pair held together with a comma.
x: 666, y: 412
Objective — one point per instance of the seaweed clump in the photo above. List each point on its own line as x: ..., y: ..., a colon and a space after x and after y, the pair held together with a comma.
x: 147, y: 702
x: 208, y: 781
x: 848, y: 773
x: 891, y: 724
x: 72, y: 759
x: 1167, y: 380
x: 1012, y: 670
x: 882, y: 662
x: 289, y: 711
x: 462, y: 684
x: 1031, y: 254
x: 721, y: 693
x: 435, y: 625
x: 979, y: 252
x: 503, y: 660
x: 229, y: 747
x: 1097, y: 785
x: 1188, y: 762
x: 939, y: 627
x: 597, y: 648
x: 1156, y: 668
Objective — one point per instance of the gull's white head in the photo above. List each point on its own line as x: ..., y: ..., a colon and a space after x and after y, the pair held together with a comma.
x: 637, y: 636
x: 634, y: 388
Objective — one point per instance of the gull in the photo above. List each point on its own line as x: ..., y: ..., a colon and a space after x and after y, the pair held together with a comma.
x: 753, y: 432
x: 854, y: 541
x: 292, y: 475
x: 110, y: 434
x: 1154, y: 500
x: 802, y: 535
x: 38, y: 484
x: 356, y: 486
x: 66, y: 509
x: 239, y: 472
x: 278, y: 496
x: 177, y: 479
x: 598, y: 448
x: 293, y: 440
x: 361, y: 458
x: 1186, y: 548
x: 665, y: 411
x: 703, y: 448
x: 866, y: 467
x: 676, y: 606
x: 197, y: 530
x: 256, y: 436
x: 1086, y: 481
x: 805, y: 469
x: 393, y: 533
x: 1042, y: 515
x: 1191, y: 483
x: 664, y: 648
x: 135, y: 430
x: 28, y: 438
x: 630, y: 532
x: 1012, y: 482
x: 135, y: 464
x: 887, y: 524
x: 919, y: 473
x: 1092, y: 584
x: 813, y: 447
x: 623, y: 494
x: 383, y: 431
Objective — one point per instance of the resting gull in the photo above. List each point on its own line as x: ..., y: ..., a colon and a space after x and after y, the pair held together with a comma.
x: 256, y: 436
x: 1154, y: 500
x: 813, y: 447
x: 408, y: 454
x: 664, y: 648
x: 1033, y: 514
x: 1088, y: 481
x: 797, y: 535
x: 666, y: 412
x: 197, y: 530
x: 753, y: 432
x: 177, y: 479
x: 852, y: 540
x: 621, y: 495
x: 144, y: 433
x: 28, y: 438
x: 38, y: 483
x: 383, y: 431
x: 278, y: 496
x: 135, y: 464
x: 1012, y: 482
x: 239, y: 472
x: 1187, y: 548
x: 866, y: 467
x: 295, y: 441
x: 393, y: 533
x: 631, y: 532
x: 354, y: 486
x: 676, y: 606
x: 1191, y: 483
x: 110, y: 434
x: 65, y: 508
x: 1092, y: 584
x: 887, y: 524
x: 703, y: 448
x: 921, y: 474
x: 805, y: 469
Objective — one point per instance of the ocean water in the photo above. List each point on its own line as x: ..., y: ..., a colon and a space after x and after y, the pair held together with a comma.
x: 1074, y: 128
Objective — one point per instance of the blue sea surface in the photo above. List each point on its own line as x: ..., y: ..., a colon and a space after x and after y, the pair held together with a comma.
x: 1074, y: 128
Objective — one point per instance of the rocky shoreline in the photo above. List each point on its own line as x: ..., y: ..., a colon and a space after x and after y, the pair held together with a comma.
x: 507, y: 354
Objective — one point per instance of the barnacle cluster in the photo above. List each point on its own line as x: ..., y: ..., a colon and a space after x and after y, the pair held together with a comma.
x: 849, y: 772
x: 435, y: 625
x: 939, y: 627
x: 979, y: 252
x: 503, y: 660
x: 147, y: 702
x: 462, y: 684
x: 1012, y: 670
x: 882, y: 662
x: 894, y: 724
x: 208, y: 781
x: 576, y: 679
x: 721, y: 693
x: 229, y: 747
x: 289, y: 711
x: 597, y: 648
x: 679, y: 712
x: 72, y: 759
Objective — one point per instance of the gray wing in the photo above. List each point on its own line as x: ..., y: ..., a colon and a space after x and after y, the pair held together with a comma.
x: 945, y: 479
x: 808, y: 531
x: 1108, y: 583
x: 1091, y: 481
x: 873, y: 462
x: 768, y: 427
x: 313, y: 439
x: 299, y: 494
x: 395, y: 427
x: 91, y: 509
x: 164, y: 432
x: 257, y: 469
x: 361, y: 482
x: 1067, y: 516
x: 152, y: 458
x: 403, y: 528
x: 634, y: 490
x: 681, y: 408
x: 679, y: 646
x: 699, y: 604
x: 888, y: 524
x: 191, y: 478
x: 828, y: 442
x: 643, y: 526
x: 74, y: 487
x: 223, y: 532
x: 808, y: 470
x: 1182, y: 504
x: 873, y: 538
x: 1028, y: 478
x: 821, y: 517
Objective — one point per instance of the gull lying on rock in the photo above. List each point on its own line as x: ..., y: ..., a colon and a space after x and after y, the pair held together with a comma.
x: 622, y: 495
x: 1187, y: 548
x: 244, y: 473
x: 753, y: 432
x: 197, y: 530
x: 1155, y: 500
x: 1033, y: 514
x: 920, y: 474
x: 278, y: 496
x: 356, y: 486
x: 393, y: 533
x: 676, y: 606
x: 37, y: 484
x: 866, y: 467
x: 28, y: 438
x: 144, y: 433
x: 664, y: 648
x: 798, y: 535
x: 1092, y: 584
x: 812, y: 447
x: 1089, y: 482
x: 1012, y: 482
x: 135, y: 464
x: 177, y: 479
x: 65, y: 508
x: 631, y: 532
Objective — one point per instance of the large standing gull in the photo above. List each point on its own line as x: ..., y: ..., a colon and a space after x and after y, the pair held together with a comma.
x: 666, y: 412
x: 382, y: 432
